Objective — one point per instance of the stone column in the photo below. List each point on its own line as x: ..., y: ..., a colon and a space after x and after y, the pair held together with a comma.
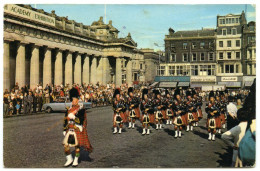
x: 68, y: 69
x: 6, y: 65
x: 77, y: 70
x: 47, y: 68
x: 99, y: 74
x: 85, y: 73
x: 93, y: 79
x: 35, y: 67
x: 105, y: 70
x: 129, y: 72
x: 20, y: 65
x: 58, y: 69
x: 118, y: 72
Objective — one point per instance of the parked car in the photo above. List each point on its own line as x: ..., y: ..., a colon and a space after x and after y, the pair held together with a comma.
x: 61, y: 105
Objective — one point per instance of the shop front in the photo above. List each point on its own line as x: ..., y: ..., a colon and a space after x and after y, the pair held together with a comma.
x: 230, y: 82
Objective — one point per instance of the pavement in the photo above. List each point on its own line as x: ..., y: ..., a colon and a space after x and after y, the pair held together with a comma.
x: 35, y: 141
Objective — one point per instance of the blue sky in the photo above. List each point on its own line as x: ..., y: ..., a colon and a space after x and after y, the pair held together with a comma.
x: 148, y: 24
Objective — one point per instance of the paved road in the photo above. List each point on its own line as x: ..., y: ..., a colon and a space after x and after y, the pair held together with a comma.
x: 35, y: 141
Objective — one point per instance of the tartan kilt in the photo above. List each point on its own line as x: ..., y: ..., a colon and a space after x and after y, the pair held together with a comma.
x: 218, y: 123
x: 152, y: 118
x: 195, y: 115
x: 222, y: 118
x: 185, y: 119
x: 164, y: 114
x: 137, y: 112
x: 83, y: 140
x: 200, y: 115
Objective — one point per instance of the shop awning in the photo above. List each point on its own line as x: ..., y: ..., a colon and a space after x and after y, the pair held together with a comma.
x: 230, y: 84
x: 167, y: 84
x: 154, y: 84
x: 248, y: 83
x: 195, y: 85
x: 183, y: 84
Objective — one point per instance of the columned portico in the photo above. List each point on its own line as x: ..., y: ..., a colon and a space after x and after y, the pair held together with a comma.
x: 105, y: 70
x: 85, y: 73
x: 93, y: 70
x: 68, y: 69
x: 34, y: 67
x: 77, y: 69
x: 20, y: 64
x: 118, y: 72
x: 58, y: 68
x: 47, y: 67
x: 6, y: 65
x: 100, y: 68
x: 129, y: 72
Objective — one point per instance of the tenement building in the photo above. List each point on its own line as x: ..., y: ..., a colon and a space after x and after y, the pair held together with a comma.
x: 229, y: 49
x: 211, y: 58
x: 41, y: 47
x: 191, y: 58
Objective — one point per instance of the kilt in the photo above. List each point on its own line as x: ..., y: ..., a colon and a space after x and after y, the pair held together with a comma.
x: 218, y: 123
x: 195, y: 115
x: 137, y: 112
x: 164, y: 114
x: 123, y: 116
x: 222, y: 118
x: 152, y: 118
x: 200, y: 115
x: 83, y: 140
x: 185, y: 119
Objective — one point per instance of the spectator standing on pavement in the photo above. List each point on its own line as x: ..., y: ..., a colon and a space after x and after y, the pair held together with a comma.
x: 40, y: 102
x: 239, y: 104
x: 35, y: 102
x: 6, y: 105
x: 232, y: 115
x: 30, y: 102
x: 25, y: 103
x: 233, y: 136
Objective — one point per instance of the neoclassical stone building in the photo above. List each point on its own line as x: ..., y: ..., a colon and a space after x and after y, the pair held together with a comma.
x: 41, y: 47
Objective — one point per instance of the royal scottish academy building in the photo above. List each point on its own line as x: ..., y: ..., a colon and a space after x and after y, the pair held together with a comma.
x: 41, y: 47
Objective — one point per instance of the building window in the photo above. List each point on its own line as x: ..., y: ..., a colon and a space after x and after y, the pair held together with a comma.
x: 237, y: 68
x: 220, y: 43
x: 194, y: 57
x: 224, y: 32
x: 211, y: 56
x: 222, y: 21
x: 237, y: 20
x: 194, y: 70
x: 160, y: 70
x: 251, y: 39
x: 222, y: 68
x: 171, y: 70
x: 229, y: 68
x: 252, y: 28
x: 229, y: 43
x: 172, y: 45
x: 141, y: 66
x: 179, y: 70
x: 237, y: 43
x: 229, y: 55
x: 221, y: 56
x: 173, y: 58
x: 237, y: 55
x: 233, y: 20
x: 234, y: 31
x: 185, y: 57
x: 202, y: 45
x: 185, y: 45
x: 193, y: 45
x: 202, y: 56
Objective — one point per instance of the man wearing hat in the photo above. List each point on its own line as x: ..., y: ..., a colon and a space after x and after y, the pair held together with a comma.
x: 133, y: 108
x: 75, y: 129
x: 212, y: 120
x: 146, y: 109
x: 118, y: 107
x: 157, y: 104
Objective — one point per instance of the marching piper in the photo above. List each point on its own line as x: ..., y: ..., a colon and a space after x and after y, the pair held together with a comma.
x: 213, y: 121
x: 133, y: 105
x: 75, y: 129
x: 119, y: 116
x: 157, y: 103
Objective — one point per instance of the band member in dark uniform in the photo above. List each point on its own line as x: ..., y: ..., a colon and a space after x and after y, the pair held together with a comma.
x: 119, y: 111
x: 179, y: 112
x: 157, y: 104
x: 168, y: 103
x: 75, y: 129
x: 213, y: 121
x: 134, y: 110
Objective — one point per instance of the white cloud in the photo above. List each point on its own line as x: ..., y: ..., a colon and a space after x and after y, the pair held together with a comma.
x: 251, y: 14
